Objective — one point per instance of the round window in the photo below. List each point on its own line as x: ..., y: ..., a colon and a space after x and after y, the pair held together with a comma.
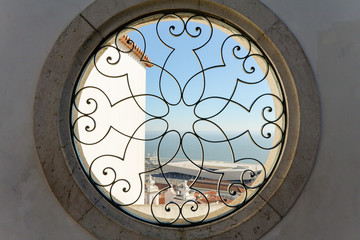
x: 178, y: 119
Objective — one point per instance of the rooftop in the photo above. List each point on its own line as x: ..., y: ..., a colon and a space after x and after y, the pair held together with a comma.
x: 126, y: 40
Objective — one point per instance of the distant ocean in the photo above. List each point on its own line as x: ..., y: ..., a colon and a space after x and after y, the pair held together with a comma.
x: 242, y: 147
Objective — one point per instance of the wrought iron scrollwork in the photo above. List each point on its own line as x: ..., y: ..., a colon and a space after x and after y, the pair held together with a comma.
x: 210, y: 93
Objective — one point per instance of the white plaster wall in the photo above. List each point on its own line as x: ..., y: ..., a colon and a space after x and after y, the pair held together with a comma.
x: 28, y: 209
x: 328, y: 31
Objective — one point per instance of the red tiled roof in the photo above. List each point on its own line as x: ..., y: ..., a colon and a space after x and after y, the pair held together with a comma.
x: 136, y: 50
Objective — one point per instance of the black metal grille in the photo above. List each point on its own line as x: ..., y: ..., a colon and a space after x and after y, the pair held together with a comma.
x: 215, y: 87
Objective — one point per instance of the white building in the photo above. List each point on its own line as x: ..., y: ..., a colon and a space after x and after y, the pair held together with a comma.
x: 112, y: 86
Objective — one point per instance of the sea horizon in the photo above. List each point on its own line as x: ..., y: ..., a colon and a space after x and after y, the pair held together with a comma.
x: 243, y: 148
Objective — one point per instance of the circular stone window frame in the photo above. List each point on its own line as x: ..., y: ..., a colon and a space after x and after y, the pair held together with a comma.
x: 81, y: 199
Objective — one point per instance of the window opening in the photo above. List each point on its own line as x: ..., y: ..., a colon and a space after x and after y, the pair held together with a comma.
x: 178, y: 119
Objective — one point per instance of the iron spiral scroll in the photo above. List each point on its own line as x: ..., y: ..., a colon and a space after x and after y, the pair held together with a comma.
x: 210, y: 93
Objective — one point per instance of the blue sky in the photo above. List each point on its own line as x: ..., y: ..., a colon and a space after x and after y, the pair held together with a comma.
x: 183, y: 65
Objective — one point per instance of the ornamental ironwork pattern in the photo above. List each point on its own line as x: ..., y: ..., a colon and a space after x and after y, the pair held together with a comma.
x: 110, y: 130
